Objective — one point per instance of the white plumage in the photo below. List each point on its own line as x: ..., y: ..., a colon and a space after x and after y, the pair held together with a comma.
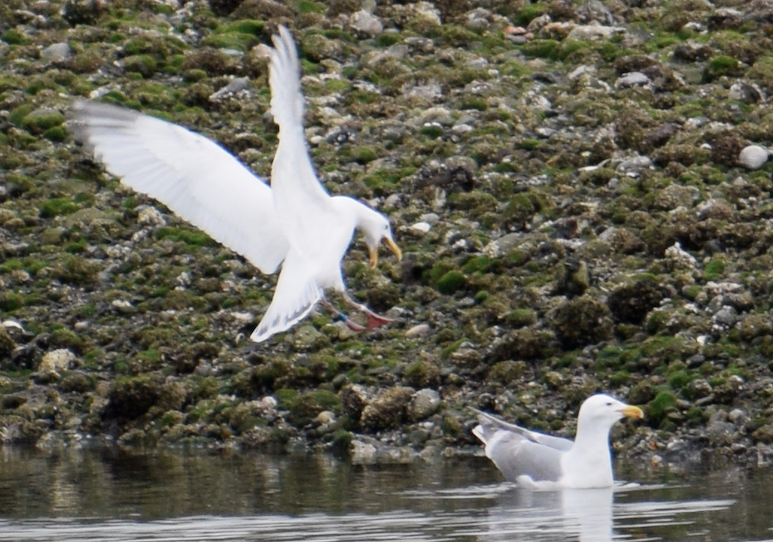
x: 294, y: 222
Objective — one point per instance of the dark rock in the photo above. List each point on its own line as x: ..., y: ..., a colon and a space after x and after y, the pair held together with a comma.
x: 631, y: 303
x: 582, y: 321
x: 130, y: 397
x: 574, y: 280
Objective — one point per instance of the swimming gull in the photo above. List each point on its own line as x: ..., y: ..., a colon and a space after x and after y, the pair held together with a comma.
x: 527, y: 457
x: 294, y: 223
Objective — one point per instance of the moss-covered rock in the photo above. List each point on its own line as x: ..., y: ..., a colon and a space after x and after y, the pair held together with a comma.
x: 388, y: 410
x: 582, y: 321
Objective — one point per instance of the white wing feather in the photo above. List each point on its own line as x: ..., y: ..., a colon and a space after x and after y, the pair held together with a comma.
x: 196, y: 178
x: 297, y: 292
x: 301, y: 202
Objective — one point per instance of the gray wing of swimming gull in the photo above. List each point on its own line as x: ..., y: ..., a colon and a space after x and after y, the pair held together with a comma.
x: 491, y: 424
x: 515, y: 456
x: 517, y: 451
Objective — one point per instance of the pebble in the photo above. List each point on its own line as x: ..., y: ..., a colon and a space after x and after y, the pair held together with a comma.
x: 753, y: 157
x: 421, y: 227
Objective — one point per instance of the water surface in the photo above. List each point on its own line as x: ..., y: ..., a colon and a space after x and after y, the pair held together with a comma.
x: 108, y: 495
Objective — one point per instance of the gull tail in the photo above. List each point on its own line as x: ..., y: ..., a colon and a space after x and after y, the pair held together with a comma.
x: 284, y: 80
x: 297, y: 292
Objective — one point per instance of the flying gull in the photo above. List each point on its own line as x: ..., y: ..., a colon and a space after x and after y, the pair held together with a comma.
x: 294, y: 222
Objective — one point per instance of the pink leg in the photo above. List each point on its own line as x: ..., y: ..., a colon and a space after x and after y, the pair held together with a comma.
x: 374, y: 320
x: 338, y: 315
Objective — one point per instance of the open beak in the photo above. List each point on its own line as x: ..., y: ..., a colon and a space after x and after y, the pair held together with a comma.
x: 632, y: 412
x: 373, y: 253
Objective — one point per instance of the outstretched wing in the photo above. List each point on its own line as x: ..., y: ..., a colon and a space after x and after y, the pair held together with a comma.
x: 301, y: 202
x: 296, y: 294
x: 195, y: 177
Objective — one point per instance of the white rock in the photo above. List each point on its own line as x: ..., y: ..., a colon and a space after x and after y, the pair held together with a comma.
x: 633, y: 79
x: 753, y: 157
x: 421, y: 227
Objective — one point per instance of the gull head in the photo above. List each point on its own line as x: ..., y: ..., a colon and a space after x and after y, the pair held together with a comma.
x: 603, y: 410
x: 375, y: 227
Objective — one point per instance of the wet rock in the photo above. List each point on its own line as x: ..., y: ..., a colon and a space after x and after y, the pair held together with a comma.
x: 719, y: 431
x: 387, y: 410
x: 130, y: 397
x: 753, y: 157
x: 424, y: 404
x: 354, y: 399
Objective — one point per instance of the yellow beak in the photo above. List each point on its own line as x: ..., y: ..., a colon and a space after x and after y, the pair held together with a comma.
x: 373, y: 253
x: 632, y: 412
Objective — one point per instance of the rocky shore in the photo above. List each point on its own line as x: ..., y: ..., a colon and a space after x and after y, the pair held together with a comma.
x: 581, y: 191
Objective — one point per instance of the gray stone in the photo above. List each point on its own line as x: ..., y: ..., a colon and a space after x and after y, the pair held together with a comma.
x: 424, y: 404
x: 56, y: 52
x: 366, y: 23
